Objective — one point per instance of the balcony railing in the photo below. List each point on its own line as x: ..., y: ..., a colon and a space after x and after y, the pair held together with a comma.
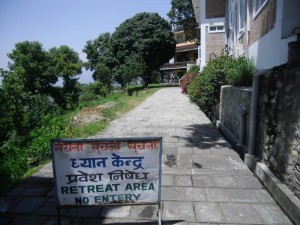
x: 176, y: 65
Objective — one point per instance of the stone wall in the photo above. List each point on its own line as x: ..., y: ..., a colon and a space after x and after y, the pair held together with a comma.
x: 231, y: 100
x: 278, y: 135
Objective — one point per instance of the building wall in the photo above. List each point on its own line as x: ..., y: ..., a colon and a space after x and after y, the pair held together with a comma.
x: 271, y: 49
x: 214, y: 45
x: 263, y: 22
x: 266, y: 34
x: 208, y: 40
x: 215, y: 9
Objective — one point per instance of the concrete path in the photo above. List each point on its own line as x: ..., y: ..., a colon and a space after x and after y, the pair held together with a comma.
x: 204, y: 181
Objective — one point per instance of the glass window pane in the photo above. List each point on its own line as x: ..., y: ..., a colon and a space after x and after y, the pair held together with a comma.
x: 212, y: 28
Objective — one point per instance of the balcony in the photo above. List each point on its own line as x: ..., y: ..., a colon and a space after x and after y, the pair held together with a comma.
x: 187, y: 47
x: 177, y: 65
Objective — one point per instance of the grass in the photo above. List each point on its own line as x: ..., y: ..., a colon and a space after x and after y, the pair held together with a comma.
x: 21, y: 161
x: 123, y: 103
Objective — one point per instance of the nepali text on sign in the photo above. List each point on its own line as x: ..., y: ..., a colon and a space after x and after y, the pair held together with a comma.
x: 91, y: 172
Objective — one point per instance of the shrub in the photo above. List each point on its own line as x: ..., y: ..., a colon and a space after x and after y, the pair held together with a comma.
x: 93, y: 92
x: 21, y: 153
x: 186, y: 81
x: 194, y: 89
x: 205, y: 90
x: 242, y: 72
x: 193, y: 69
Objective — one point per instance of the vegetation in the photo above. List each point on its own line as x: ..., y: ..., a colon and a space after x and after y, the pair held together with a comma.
x: 20, y: 154
x: 242, y: 72
x: 188, y: 77
x: 138, y: 47
x: 204, y: 89
x: 100, y: 59
x: 183, y: 18
x: 34, y: 109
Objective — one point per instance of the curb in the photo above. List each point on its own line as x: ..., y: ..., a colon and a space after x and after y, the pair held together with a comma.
x: 287, y: 200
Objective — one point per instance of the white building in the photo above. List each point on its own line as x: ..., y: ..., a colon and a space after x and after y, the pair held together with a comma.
x: 210, y: 15
x: 262, y: 29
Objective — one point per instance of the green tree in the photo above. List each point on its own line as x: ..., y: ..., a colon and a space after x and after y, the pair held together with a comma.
x: 145, y: 36
x: 133, y: 67
x: 28, y: 85
x: 65, y: 64
x: 100, y: 59
x: 182, y: 17
x: 30, y: 63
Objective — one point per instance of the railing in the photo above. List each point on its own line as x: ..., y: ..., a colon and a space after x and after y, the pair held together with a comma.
x: 176, y: 65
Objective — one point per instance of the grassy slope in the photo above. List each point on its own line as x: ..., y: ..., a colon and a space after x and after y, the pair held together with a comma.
x: 23, y: 161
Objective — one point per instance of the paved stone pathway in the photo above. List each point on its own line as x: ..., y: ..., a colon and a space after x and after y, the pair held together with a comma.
x: 204, y: 181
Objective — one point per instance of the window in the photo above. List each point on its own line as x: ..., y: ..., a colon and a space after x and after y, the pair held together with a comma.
x: 180, y: 39
x: 216, y: 28
x: 257, y: 6
x: 242, y: 16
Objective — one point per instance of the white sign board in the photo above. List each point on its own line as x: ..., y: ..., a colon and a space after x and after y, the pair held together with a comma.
x: 107, y: 171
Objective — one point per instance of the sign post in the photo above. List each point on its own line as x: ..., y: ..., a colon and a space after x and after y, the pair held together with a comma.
x: 121, y: 171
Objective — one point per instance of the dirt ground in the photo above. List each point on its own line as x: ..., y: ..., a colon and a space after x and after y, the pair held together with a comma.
x: 91, y: 114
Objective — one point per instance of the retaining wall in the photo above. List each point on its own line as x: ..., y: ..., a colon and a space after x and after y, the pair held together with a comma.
x: 278, y: 134
x: 232, y: 98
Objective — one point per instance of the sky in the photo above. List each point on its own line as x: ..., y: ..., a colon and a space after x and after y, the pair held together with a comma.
x: 66, y: 22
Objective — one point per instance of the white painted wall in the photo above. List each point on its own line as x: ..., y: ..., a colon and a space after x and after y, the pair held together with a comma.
x: 204, y: 23
x: 272, y: 50
x: 268, y: 51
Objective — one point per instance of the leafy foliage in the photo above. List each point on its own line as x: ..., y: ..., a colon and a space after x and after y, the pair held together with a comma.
x: 193, y: 69
x: 93, y: 91
x: 65, y: 64
x: 30, y: 67
x: 138, y: 47
x: 205, y: 90
x: 21, y: 153
x: 242, y: 72
x: 187, y: 80
x: 31, y: 105
x: 183, y: 18
x: 100, y: 59
x: 146, y: 36
x: 133, y: 67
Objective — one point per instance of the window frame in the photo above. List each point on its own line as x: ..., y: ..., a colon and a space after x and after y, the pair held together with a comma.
x: 216, y: 26
x: 257, y: 11
x: 180, y: 36
x: 241, y: 21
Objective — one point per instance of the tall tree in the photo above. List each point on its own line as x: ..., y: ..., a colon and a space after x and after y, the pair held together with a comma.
x: 30, y: 63
x: 100, y: 59
x: 146, y: 36
x: 182, y: 17
x: 66, y: 64
x: 34, y: 71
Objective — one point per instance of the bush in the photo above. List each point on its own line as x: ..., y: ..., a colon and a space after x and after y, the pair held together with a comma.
x: 194, y: 89
x: 193, y: 69
x: 242, y: 72
x: 93, y: 91
x: 186, y: 81
x: 21, y: 153
x: 205, y: 89
x: 211, y: 79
